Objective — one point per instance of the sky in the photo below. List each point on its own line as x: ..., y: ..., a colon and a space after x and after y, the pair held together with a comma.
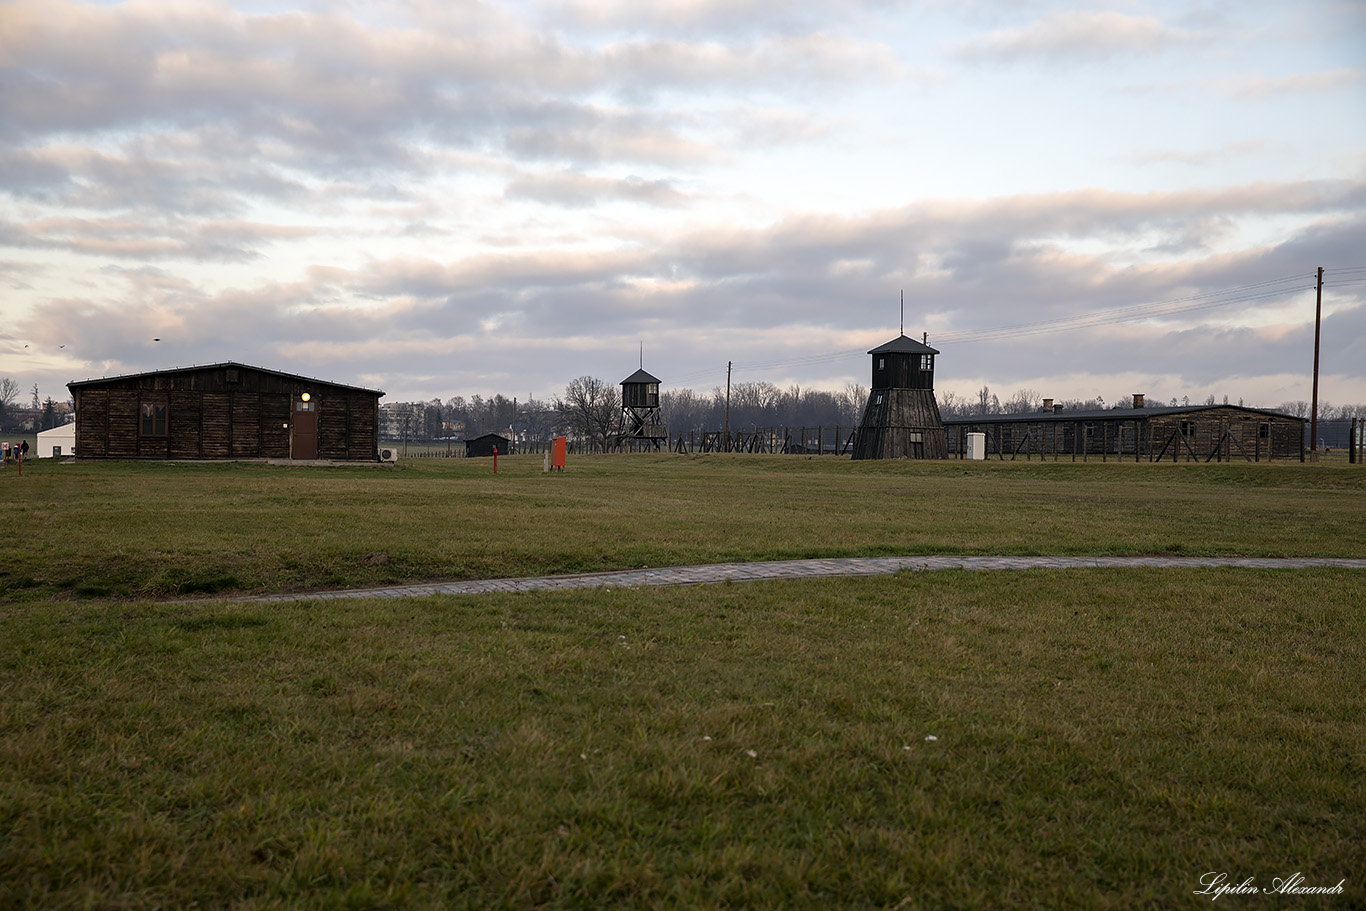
x: 438, y: 198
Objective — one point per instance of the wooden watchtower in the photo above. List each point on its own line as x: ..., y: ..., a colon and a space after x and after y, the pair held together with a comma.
x: 641, y: 425
x: 901, y: 420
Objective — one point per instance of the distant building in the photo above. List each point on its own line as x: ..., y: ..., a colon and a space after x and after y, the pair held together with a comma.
x: 483, y: 446
x: 402, y: 420
x: 57, y: 442
x: 1191, y: 433
x: 224, y: 411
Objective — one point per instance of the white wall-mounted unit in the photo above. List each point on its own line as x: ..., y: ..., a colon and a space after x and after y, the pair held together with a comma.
x: 388, y: 454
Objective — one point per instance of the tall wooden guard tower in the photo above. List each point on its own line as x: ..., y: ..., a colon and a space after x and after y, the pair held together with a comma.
x: 902, y: 418
x: 641, y: 425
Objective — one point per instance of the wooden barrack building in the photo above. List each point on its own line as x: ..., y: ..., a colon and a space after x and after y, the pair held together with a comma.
x: 224, y: 411
x: 1189, y: 433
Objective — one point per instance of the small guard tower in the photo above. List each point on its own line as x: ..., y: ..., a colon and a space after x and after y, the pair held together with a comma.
x: 902, y: 418
x: 641, y: 425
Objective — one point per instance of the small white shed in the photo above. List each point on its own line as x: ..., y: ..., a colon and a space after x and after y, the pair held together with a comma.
x: 57, y: 442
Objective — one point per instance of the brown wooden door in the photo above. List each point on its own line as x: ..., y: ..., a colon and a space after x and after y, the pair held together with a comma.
x: 303, y: 431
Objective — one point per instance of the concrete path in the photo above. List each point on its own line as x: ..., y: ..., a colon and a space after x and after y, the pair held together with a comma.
x: 804, y: 569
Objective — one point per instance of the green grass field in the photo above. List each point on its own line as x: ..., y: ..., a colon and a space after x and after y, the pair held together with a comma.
x: 158, y: 530
x: 1040, y: 739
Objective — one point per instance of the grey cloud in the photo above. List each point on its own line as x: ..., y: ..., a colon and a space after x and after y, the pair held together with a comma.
x: 346, y: 94
x: 578, y: 190
x: 130, y: 239
x: 709, y: 17
x: 1075, y: 35
x: 1298, y: 83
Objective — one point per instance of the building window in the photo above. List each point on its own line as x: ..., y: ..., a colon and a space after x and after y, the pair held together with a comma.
x: 881, y: 363
x: 1264, y: 430
x: 916, y: 436
x: 879, y: 399
x: 926, y: 361
x: 1188, y: 428
x: 153, y: 419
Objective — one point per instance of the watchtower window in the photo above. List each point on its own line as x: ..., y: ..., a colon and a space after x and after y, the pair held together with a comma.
x: 926, y: 361
x: 153, y: 422
x: 882, y: 363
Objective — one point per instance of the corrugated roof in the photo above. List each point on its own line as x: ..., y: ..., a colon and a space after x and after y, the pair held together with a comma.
x: 1106, y: 414
x: 903, y: 345
x: 169, y: 370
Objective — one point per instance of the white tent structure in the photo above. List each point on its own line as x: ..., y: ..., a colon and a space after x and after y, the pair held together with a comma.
x: 57, y: 442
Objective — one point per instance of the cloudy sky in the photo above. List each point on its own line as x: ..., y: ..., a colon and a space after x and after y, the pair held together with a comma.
x: 436, y: 197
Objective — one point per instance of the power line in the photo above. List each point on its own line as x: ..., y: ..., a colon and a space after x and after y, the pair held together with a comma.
x: 1208, y: 300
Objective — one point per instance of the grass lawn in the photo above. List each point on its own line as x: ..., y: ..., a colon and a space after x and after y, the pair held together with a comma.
x: 135, y: 530
x: 1046, y: 739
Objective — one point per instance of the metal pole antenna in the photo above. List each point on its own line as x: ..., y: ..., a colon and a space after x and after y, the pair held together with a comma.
x: 1314, y: 406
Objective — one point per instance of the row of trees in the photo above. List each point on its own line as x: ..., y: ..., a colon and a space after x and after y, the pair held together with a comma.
x: 42, y: 414
x: 590, y: 409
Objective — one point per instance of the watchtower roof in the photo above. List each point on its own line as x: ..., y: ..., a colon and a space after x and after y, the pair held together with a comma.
x: 903, y: 345
x: 640, y: 376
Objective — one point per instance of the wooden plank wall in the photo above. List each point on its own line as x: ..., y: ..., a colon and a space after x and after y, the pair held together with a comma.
x: 209, y: 417
x: 246, y: 425
x: 889, y: 425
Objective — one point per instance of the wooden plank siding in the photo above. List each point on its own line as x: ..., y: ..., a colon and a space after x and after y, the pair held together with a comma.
x: 222, y: 411
x: 901, y: 424
x: 1213, y: 433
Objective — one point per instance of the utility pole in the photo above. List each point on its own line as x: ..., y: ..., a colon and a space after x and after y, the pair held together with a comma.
x: 1314, y: 404
x: 727, y: 430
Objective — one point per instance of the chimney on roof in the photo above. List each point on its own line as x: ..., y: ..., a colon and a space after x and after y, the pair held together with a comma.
x: 1047, y: 405
x: 1057, y: 408
x: 1138, y: 400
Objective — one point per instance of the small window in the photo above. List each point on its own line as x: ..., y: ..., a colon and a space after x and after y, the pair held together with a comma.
x: 1264, y: 430
x: 303, y: 406
x: 916, y: 436
x: 881, y: 363
x: 926, y: 362
x: 153, y: 419
x: 1188, y: 428
x: 879, y: 399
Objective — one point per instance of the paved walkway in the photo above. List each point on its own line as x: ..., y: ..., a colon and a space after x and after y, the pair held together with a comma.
x: 804, y: 569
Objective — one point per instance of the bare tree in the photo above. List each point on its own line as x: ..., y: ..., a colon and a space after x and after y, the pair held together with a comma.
x: 590, y: 407
x: 9, y: 391
x: 855, y: 399
x: 1023, y: 402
